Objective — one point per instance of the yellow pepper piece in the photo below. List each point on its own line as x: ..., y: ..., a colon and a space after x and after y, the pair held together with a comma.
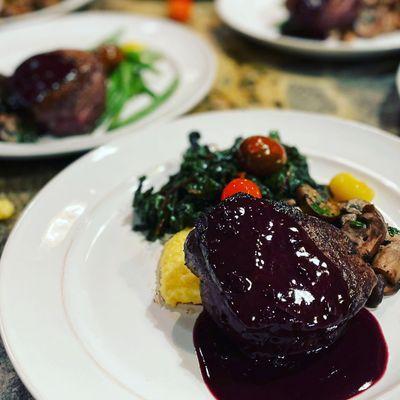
x: 7, y: 209
x: 177, y: 283
x: 345, y: 186
x: 131, y: 46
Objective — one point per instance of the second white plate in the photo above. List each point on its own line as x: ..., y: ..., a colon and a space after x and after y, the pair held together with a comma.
x: 39, y: 16
x: 186, y: 54
x: 260, y: 19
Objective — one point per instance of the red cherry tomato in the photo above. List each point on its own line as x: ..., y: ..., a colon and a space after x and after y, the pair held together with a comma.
x: 261, y: 155
x: 241, y: 185
x: 180, y: 10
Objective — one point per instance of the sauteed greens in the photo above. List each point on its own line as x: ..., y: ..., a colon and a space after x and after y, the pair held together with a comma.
x: 202, y: 176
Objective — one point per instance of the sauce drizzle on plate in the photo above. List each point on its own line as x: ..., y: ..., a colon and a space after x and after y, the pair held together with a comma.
x: 351, y: 365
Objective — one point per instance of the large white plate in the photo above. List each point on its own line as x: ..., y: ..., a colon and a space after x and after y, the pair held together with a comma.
x: 186, y: 55
x: 77, y: 285
x: 260, y: 19
x: 63, y: 7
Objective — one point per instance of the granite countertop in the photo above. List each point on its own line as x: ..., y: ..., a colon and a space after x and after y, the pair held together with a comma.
x: 249, y: 76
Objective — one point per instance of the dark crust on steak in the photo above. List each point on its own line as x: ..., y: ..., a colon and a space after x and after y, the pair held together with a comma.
x: 359, y: 276
x: 77, y: 105
x: 64, y: 91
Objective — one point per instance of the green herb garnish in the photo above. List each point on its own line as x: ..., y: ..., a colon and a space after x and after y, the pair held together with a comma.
x: 393, y: 231
x: 275, y: 135
x: 202, y: 176
x: 358, y: 224
x: 321, y: 209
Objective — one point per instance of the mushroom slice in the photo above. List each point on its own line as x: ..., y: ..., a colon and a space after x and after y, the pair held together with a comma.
x: 376, y: 296
x: 351, y: 210
x: 389, y: 290
x: 387, y: 262
x: 367, y: 232
x: 354, y: 206
x: 312, y: 203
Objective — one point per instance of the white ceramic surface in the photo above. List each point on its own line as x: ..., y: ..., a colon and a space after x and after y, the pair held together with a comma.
x: 260, y: 19
x: 39, y: 16
x: 77, y: 285
x: 186, y: 56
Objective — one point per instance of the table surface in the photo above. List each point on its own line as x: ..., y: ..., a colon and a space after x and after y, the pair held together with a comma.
x: 249, y: 76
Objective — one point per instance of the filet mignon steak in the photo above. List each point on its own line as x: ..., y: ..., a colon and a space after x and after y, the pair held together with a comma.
x: 277, y: 281
x: 63, y: 90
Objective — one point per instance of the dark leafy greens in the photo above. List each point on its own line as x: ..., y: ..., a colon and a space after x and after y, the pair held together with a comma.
x: 199, y: 183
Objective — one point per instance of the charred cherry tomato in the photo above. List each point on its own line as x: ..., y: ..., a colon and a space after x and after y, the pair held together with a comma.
x: 110, y: 56
x: 262, y: 155
x: 241, y: 185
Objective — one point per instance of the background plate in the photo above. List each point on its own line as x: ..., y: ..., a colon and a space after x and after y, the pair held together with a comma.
x: 77, y: 285
x: 186, y: 53
x: 63, y: 7
x: 260, y: 19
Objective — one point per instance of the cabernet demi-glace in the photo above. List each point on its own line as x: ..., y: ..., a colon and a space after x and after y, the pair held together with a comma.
x: 40, y: 75
x: 351, y: 365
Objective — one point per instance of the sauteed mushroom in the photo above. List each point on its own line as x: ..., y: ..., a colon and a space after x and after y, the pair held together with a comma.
x: 367, y: 231
x: 312, y: 203
x: 387, y: 263
x: 354, y: 206
x: 378, y: 292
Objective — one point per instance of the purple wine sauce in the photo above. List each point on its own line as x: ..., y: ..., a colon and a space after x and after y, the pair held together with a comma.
x: 351, y: 365
x: 41, y: 74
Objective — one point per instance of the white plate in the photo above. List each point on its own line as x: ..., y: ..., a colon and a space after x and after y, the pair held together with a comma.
x: 77, y: 285
x: 260, y: 19
x: 63, y: 7
x: 186, y: 55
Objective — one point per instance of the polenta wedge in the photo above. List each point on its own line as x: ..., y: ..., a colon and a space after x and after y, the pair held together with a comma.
x: 178, y: 285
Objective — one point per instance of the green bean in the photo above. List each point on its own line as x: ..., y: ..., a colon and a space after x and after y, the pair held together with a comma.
x: 157, y: 101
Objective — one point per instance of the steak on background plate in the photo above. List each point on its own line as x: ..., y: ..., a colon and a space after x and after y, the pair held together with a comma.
x: 63, y: 91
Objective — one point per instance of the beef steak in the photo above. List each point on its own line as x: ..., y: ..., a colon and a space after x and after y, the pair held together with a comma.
x: 277, y: 281
x: 64, y: 90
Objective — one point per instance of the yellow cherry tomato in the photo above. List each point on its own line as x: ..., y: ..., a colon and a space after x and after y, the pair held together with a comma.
x: 7, y: 209
x: 345, y: 186
x: 131, y: 46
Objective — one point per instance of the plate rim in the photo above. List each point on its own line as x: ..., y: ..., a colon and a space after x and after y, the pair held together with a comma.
x: 18, y: 365
x: 43, y: 14
x: 34, y: 150
x: 300, y: 45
